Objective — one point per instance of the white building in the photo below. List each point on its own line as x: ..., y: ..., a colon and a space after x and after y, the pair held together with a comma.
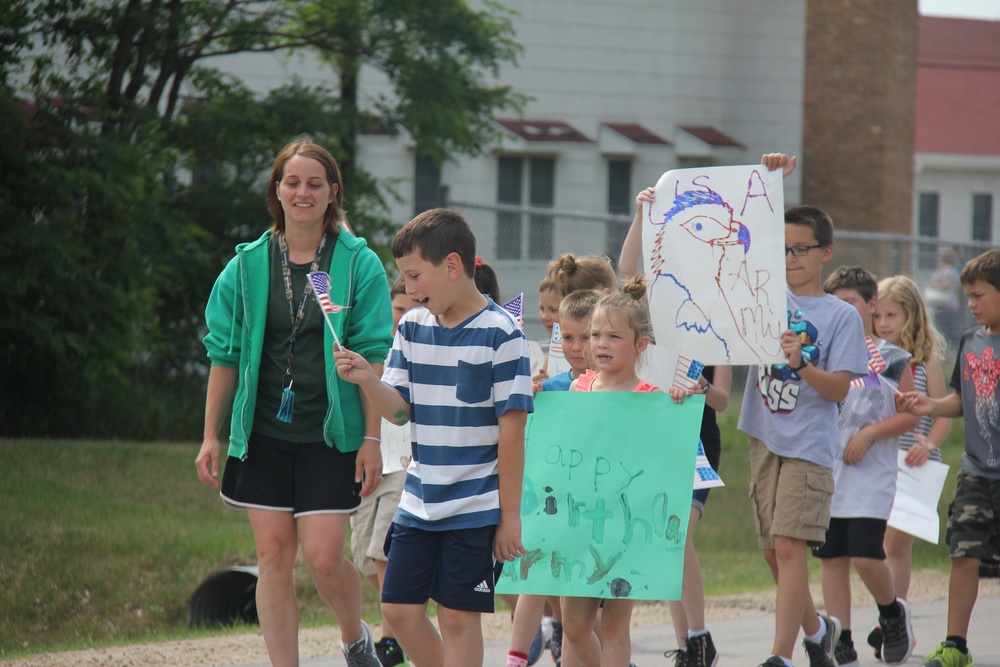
x: 957, y: 161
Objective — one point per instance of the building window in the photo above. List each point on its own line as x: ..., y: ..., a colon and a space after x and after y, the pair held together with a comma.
x: 928, y: 212
x: 538, y: 190
x: 982, y: 218
x: 620, y: 199
x: 426, y: 185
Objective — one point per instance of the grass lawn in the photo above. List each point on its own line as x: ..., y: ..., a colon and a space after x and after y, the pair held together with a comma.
x: 103, y: 542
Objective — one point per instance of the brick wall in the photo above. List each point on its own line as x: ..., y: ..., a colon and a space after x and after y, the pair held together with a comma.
x: 858, y: 128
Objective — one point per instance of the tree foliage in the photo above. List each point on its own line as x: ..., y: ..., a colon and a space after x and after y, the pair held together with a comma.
x: 131, y: 166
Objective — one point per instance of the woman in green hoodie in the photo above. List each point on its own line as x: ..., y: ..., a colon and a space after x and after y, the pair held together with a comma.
x: 303, y: 444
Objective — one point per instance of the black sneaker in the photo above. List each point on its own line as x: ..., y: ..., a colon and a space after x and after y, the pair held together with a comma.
x: 679, y: 656
x: 897, y: 640
x: 845, y: 655
x: 875, y: 641
x: 389, y: 652
x: 701, y: 651
x: 821, y: 654
x: 773, y: 661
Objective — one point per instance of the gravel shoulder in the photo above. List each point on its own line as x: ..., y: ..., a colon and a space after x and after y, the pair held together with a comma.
x: 926, y: 586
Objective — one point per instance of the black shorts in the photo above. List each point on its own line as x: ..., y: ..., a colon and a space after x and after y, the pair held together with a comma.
x: 301, y: 478
x: 853, y: 538
x: 455, y: 568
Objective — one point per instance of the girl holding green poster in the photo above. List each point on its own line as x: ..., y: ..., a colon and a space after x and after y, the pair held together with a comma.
x: 619, y: 333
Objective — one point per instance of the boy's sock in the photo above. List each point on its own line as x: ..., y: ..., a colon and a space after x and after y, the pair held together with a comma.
x: 891, y: 610
x: 961, y: 643
x: 697, y: 634
x: 515, y: 659
x: 818, y: 637
x: 845, y: 637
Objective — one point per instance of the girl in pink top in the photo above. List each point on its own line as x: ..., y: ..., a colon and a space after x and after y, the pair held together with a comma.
x: 620, y: 328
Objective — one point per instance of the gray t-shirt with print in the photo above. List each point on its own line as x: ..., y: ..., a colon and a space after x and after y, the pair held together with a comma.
x: 783, y: 410
x: 867, y: 488
x: 976, y: 375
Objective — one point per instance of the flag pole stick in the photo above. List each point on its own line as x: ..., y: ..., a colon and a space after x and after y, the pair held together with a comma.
x: 332, y: 330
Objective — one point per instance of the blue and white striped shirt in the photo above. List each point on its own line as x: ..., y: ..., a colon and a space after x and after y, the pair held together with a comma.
x: 458, y: 382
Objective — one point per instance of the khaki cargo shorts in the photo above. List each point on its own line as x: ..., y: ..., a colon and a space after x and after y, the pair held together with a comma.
x: 790, y: 497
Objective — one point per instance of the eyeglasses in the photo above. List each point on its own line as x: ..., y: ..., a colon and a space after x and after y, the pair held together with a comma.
x: 801, y: 250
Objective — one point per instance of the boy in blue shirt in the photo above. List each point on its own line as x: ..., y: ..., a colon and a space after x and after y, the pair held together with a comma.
x: 789, y: 413
x: 973, y: 532
x: 459, y: 373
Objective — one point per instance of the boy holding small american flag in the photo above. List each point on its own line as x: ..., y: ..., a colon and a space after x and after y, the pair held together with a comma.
x: 864, y: 473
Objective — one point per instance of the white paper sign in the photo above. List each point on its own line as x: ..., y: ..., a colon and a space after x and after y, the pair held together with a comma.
x: 713, y: 249
x: 918, y: 491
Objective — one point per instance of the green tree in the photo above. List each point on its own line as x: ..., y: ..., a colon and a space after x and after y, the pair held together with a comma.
x: 133, y: 167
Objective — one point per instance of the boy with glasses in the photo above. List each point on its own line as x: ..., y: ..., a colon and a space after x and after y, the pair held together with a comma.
x: 789, y: 413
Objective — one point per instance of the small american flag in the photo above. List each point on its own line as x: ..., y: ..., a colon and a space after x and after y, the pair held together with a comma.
x: 555, y: 344
x: 687, y: 373
x: 876, y: 364
x: 321, y: 288
x: 514, y: 307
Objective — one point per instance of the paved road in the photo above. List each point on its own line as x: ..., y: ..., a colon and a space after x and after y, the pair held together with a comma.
x: 746, y: 642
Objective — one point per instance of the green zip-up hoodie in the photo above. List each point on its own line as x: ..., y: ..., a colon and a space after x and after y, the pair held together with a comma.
x: 237, y: 310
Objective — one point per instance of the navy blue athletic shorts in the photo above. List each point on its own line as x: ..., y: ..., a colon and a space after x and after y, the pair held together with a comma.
x: 455, y: 568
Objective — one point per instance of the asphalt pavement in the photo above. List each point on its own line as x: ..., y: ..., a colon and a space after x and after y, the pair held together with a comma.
x: 746, y: 642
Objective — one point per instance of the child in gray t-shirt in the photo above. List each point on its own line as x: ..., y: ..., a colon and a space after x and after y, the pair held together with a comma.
x: 789, y: 413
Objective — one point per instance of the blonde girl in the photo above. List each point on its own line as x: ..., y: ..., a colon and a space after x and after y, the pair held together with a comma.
x: 903, y: 319
x: 619, y: 333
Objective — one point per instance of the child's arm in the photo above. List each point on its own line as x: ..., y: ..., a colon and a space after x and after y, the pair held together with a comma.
x: 716, y: 393
x: 832, y: 385
x: 628, y: 261
x: 941, y: 427
x: 894, y: 426
x: 922, y: 404
x: 775, y: 160
x: 387, y: 402
x: 510, y: 459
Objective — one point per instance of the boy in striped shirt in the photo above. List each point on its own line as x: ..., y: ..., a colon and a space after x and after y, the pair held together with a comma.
x: 459, y: 372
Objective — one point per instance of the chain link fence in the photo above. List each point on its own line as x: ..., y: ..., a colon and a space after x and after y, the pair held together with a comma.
x: 519, y: 242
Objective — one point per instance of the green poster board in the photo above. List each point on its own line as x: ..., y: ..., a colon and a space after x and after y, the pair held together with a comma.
x: 607, y: 494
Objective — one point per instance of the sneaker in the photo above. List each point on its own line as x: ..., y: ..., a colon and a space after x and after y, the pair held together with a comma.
x: 537, y: 644
x: 897, y: 635
x: 679, y: 656
x: 821, y: 654
x: 701, y: 651
x: 555, y: 644
x: 875, y: 641
x: 845, y: 655
x: 362, y: 652
x: 773, y: 661
x: 948, y: 655
x: 389, y: 652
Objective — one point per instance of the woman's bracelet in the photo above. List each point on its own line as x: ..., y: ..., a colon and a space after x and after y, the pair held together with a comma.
x: 708, y: 385
x: 372, y: 437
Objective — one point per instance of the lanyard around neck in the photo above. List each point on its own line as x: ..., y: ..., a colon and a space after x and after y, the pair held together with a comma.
x: 286, y: 273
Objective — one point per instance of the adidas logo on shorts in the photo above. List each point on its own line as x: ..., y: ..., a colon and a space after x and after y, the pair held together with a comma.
x: 482, y: 587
